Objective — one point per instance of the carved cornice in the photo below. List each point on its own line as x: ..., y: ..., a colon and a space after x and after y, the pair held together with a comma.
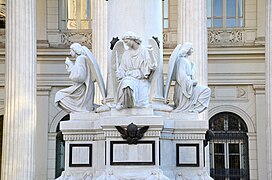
x: 115, y: 133
x: 83, y: 137
x: 182, y: 136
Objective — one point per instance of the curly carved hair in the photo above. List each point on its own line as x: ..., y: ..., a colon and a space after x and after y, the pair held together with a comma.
x: 131, y: 35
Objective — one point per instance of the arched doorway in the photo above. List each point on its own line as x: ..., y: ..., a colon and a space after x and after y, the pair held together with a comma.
x: 60, y: 149
x: 229, y: 147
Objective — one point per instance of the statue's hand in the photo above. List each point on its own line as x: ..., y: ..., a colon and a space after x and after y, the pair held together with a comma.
x: 69, y: 64
x: 119, y: 74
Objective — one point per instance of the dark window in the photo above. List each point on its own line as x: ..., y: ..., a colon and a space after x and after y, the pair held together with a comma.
x: 60, y: 150
x: 229, y: 147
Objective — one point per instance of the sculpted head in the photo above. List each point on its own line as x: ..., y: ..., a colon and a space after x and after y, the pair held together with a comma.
x: 186, y: 49
x: 76, y: 49
x: 131, y: 36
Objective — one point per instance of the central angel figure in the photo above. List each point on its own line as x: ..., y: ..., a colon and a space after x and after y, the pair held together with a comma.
x: 133, y: 72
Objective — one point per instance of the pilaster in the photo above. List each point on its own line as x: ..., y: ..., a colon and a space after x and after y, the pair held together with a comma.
x: 268, y: 63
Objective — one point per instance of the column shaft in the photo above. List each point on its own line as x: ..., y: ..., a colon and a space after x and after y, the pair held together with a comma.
x: 20, y: 86
x: 143, y: 18
x: 268, y: 61
x: 100, y: 42
x: 192, y: 28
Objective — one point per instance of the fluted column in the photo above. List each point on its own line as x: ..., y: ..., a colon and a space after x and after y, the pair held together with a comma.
x: 100, y: 42
x: 20, y: 85
x: 268, y: 61
x: 192, y: 28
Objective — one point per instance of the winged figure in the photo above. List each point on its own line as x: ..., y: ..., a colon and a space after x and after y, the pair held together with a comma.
x: 117, y: 52
x: 132, y: 134
x: 130, y: 72
x: 157, y: 86
x: 83, y: 73
x: 188, y: 95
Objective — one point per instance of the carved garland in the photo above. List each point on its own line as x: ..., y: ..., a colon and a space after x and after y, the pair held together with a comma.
x: 225, y: 37
x: 82, y: 38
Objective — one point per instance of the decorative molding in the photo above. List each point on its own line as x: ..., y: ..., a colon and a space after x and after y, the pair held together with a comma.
x: 170, y: 38
x: 83, y: 137
x: 189, y: 136
x: 233, y: 93
x: 225, y: 37
x: 183, y: 136
x: 68, y: 38
x: 115, y: 133
x: 73, y: 175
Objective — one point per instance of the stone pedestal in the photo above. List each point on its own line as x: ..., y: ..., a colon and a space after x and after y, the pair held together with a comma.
x: 171, y: 148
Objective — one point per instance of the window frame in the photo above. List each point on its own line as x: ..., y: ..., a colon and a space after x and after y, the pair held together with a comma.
x: 224, y: 15
x: 63, y: 17
x: 164, y: 18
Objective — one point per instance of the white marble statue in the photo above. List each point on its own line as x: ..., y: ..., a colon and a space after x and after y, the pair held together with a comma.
x: 134, y: 67
x: 188, y: 95
x: 83, y: 73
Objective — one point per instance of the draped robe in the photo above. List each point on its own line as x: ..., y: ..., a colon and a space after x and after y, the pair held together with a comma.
x: 136, y: 68
x: 78, y: 97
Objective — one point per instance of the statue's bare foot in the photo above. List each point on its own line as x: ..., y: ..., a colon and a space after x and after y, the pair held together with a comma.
x: 162, y: 107
x: 102, y: 108
x: 119, y: 106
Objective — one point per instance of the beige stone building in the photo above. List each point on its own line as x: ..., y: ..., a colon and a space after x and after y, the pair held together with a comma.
x: 238, y: 72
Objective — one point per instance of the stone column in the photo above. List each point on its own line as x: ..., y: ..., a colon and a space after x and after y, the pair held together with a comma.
x: 268, y: 62
x: 18, y: 160
x: 143, y: 18
x: 100, y: 42
x: 192, y: 28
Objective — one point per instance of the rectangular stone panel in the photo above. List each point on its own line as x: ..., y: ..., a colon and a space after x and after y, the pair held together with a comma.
x: 187, y: 155
x: 80, y: 155
x: 142, y: 153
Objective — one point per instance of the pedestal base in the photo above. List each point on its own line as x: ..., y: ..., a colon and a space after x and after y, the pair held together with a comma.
x: 172, y: 147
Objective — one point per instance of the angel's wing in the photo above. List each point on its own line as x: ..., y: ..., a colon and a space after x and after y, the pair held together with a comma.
x: 97, y: 73
x: 157, y: 78
x: 141, y: 131
x: 171, y: 65
x: 122, y: 131
x: 156, y: 49
x: 116, y: 57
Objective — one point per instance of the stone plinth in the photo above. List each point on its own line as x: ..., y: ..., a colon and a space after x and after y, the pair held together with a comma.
x: 171, y: 148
